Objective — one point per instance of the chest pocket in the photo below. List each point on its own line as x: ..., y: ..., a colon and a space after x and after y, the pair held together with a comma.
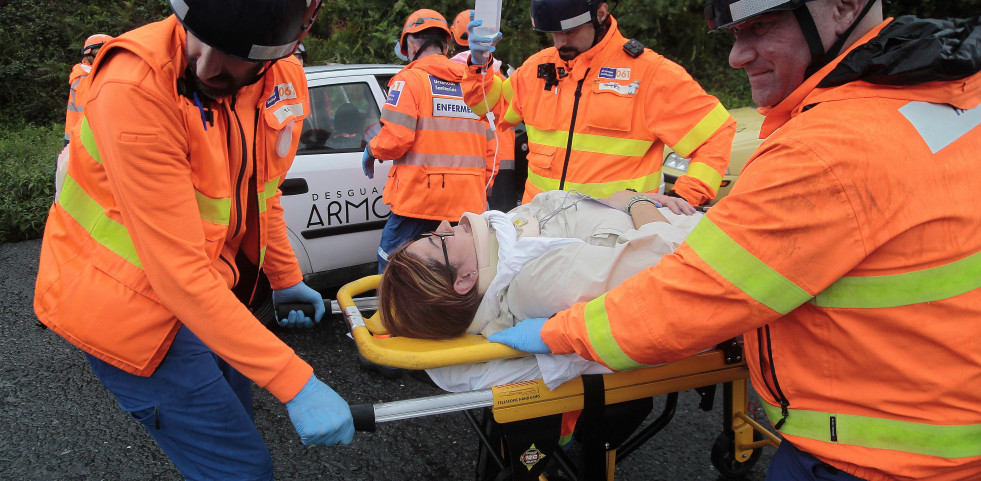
x: 611, y: 106
x: 540, y: 156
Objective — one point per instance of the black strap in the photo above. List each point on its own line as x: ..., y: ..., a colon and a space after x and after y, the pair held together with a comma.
x: 591, y: 419
x: 812, y: 36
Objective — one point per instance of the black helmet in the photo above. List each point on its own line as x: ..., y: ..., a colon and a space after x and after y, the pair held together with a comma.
x: 256, y: 30
x: 563, y: 15
x: 725, y: 13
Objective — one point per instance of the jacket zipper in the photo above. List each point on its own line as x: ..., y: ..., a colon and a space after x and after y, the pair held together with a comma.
x: 775, y: 391
x: 572, y: 128
x: 241, y: 170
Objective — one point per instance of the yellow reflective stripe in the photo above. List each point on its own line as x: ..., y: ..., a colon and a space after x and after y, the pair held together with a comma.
x: 262, y: 255
x: 268, y: 192
x: 398, y: 118
x: 599, y: 144
x: 944, y: 441
x: 702, y: 131
x: 216, y: 211
x: 92, y: 217
x: 706, y: 174
x: 927, y: 285
x: 601, y: 337
x: 88, y: 140
x: 512, y: 117
x: 493, y: 96
x: 507, y: 90
x: 647, y: 183
x: 743, y: 269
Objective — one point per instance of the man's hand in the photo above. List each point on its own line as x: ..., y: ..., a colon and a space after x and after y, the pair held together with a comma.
x: 299, y: 293
x: 481, y: 46
x: 368, y: 163
x: 526, y: 336
x: 321, y: 417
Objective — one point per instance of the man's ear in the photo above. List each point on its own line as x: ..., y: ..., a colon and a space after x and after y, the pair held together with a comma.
x: 603, y: 12
x: 465, y: 282
x: 845, y: 12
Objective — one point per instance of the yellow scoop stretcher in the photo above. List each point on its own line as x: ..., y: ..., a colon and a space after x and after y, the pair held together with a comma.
x: 527, y: 400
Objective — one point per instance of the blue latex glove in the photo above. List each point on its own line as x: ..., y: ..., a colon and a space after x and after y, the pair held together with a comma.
x: 481, y: 46
x: 368, y: 163
x: 299, y: 293
x: 321, y: 417
x: 526, y: 336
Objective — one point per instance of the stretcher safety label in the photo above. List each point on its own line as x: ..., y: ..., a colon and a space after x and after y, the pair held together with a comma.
x: 531, y: 457
x: 516, y: 393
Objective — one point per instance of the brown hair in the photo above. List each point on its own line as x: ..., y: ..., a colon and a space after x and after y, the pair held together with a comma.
x: 416, y: 298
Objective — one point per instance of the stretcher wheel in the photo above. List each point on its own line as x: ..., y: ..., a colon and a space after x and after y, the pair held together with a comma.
x: 724, y: 457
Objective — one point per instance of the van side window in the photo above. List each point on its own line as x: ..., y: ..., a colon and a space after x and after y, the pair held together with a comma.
x: 342, y: 119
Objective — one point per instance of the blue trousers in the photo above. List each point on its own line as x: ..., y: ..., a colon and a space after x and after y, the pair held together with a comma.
x: 197, y: 408
x: 792, y: 464
x: 399, y: 230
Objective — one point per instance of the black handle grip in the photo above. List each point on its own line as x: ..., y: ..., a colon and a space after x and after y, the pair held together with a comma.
x: 364, y: 417
x: 283, y: 309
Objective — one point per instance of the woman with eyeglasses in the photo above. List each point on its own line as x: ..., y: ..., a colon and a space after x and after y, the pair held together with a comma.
x: 495, y: 269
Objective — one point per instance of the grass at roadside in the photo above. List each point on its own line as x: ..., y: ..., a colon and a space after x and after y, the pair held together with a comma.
x: 28, y: 156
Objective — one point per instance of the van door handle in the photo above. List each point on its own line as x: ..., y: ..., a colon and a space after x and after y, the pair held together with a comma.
x: 294, y: 187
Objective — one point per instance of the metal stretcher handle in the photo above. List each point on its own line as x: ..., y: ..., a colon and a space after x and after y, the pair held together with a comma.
x: 283, y: 309
x: 366, y: 416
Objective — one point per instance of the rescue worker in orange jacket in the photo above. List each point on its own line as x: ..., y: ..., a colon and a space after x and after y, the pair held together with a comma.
x: 599, y: 109
x: 845, y: 252
x: 169, y: 209
x: 438, y: 145
x: 81, y: 70
x: 500, y: 151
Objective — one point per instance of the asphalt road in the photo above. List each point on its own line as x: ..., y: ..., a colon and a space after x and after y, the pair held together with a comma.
x: 57, y: 422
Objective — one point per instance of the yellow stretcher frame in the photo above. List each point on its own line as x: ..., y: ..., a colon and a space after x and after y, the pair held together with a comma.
x: 532, y: 399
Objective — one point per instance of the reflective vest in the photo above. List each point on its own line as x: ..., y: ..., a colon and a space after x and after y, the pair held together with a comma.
x: 849, y: 254
x: 621, y: 110
x: 169, y: 202
x: 76, y: 103
x: 438, y: 145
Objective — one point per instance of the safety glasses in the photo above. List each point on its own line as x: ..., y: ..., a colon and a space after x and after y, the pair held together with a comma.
x: 442, y: 239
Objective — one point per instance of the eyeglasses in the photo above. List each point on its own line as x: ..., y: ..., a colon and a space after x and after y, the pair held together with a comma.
x: 442, y: 239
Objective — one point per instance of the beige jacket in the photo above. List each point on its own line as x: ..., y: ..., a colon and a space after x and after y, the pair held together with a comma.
x: 612, y: 252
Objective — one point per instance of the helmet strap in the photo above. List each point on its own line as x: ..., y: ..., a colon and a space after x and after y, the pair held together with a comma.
x: 820, y: 58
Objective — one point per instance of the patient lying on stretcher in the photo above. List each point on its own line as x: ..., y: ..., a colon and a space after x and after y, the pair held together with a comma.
x: 496, y: 269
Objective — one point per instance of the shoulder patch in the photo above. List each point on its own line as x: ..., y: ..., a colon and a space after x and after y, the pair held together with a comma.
x: 394, y: 92
x: 633, y: 48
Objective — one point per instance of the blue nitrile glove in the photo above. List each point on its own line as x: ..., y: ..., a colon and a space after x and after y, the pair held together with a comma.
x: 481, y: 47
x: 368, y: 163
x: 525, y: 336
x: 299, y: 293
x: 321, y: 417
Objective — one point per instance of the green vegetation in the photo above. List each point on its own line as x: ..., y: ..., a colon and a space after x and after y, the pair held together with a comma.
x: 28, y: 156
x: 40, y: 40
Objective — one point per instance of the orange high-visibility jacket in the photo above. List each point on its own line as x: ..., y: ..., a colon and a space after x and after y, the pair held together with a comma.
x: 850, y: 255
x: 500, y: 149
x: 160, y: 198
x: 622, y: 110
x: 439, y: 146
x: 76, y: 102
